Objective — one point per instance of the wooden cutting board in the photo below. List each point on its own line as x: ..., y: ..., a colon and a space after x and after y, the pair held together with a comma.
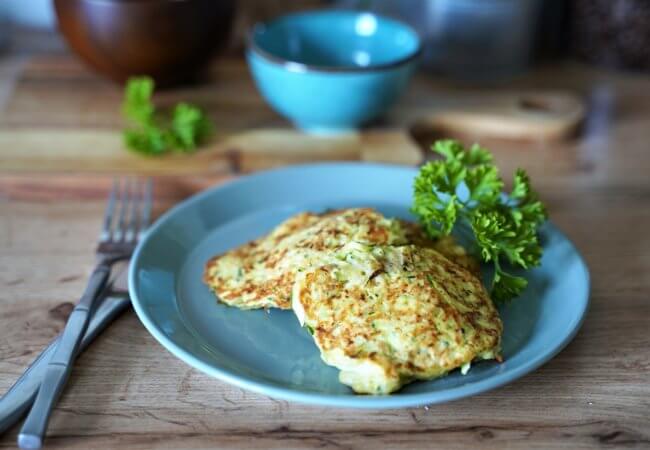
x: 63, y: 118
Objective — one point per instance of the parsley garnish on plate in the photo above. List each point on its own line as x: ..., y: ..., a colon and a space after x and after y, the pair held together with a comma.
x: 151, y: 132
x: 464, y: 188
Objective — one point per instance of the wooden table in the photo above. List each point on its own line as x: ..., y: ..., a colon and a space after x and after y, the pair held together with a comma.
x: 126, y: 391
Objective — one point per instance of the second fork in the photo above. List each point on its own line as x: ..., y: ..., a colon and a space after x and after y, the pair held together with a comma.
x: 117, y: 241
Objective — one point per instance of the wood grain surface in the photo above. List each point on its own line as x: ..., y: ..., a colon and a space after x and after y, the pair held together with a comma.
x: 80, y: 128
x: 126, y: 391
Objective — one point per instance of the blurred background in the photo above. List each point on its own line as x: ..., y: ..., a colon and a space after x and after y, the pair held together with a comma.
x: 534, y: 71
x: 480, y: 40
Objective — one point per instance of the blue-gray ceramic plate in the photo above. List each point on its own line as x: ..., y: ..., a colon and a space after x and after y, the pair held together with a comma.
x: 268, y: 352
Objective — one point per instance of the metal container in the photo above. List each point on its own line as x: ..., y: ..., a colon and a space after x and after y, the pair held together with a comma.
x: 477, y: 40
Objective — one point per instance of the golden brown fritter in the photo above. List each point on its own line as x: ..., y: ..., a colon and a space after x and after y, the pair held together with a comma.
x: 417, y: 316
x: 261, y: 273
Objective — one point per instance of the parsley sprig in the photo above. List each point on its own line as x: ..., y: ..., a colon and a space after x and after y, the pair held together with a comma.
x: 465, y: 188
x: 153, y: 133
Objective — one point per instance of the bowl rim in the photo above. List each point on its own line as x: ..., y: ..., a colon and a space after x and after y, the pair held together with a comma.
x: 298, y: 66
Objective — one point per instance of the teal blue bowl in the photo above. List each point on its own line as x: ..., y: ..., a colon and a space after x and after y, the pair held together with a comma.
x: 331, y: 71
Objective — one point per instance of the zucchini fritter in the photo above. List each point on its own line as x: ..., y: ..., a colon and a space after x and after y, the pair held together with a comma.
x: 261, y: 273
x: 416, y: 316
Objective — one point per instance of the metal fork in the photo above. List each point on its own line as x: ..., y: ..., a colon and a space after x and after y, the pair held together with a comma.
x: 127, y: 216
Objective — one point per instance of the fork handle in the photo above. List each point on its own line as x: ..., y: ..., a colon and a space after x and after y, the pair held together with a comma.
x: 58, y: 370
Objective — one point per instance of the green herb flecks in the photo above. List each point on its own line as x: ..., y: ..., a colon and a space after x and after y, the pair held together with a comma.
x: 151, y: 132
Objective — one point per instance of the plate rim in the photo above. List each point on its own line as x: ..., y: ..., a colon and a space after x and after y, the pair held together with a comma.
x: 315, y: 398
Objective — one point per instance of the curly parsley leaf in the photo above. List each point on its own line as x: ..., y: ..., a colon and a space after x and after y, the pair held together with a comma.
x: 483, y: 184
x: 190, y: 126
x: 465, y: 188
x: 146, y: 140
x: 151, y: 132
x: 506, y: 287
x: 436, y: 209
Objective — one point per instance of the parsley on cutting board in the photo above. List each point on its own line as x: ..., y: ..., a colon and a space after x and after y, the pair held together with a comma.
x: 465, y: 188
x: 150, y: 132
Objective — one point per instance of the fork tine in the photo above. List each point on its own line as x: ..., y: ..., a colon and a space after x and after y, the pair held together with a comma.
x: 134, y: 213
x: 123, y: 206
x: 145, y: 210
x: 108, y: 213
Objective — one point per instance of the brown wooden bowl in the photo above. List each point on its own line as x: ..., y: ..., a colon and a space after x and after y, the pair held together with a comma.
x: 169, y: 40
